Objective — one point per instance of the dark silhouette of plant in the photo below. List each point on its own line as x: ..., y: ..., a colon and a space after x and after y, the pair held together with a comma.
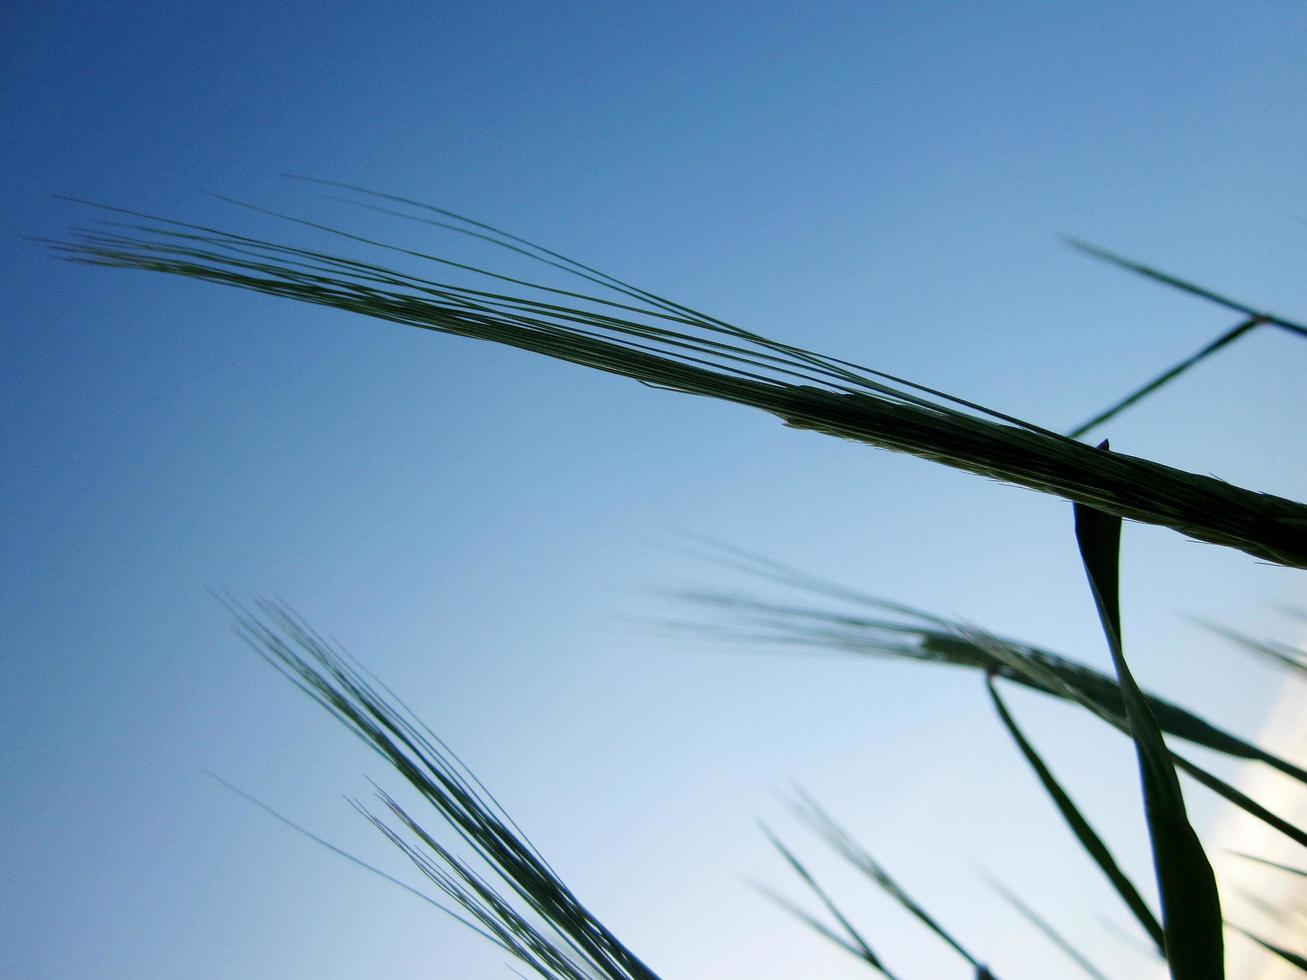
x: 504, y: 889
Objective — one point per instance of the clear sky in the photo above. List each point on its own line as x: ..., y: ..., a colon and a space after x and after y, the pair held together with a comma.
x: 491, y: 532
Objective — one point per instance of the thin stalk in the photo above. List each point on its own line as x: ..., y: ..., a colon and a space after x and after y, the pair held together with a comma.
x: 851, y: 851
x: 855, y: 943
x: 1231, y: 335
x: 1188, y: 287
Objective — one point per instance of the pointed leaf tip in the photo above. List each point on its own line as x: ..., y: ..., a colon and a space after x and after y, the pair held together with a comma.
x: 1191, y: 907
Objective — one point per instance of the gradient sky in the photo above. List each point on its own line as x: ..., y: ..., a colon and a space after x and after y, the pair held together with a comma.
x: 491, y: 532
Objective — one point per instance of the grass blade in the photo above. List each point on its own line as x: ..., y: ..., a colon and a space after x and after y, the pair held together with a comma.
x: 1241, y: 800
x: 1044, y: 677
x: 1191, y: 907
x: 855, y: 944
x: 852, y: 852
x: 1089, y: 840
x: 1231, y: 335
x: 1188, y: 287
x: 1053, y: 936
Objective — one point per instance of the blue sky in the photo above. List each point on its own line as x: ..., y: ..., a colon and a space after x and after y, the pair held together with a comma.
x: 490, y: 531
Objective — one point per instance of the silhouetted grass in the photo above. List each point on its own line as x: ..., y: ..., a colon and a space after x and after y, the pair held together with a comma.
x: 1191, y: 907
x: 531, y: 913
x: 905, y: 632
x: 1211, y: 295
x: 508, y: 893
x: 844, y: 845
x: 854, y: 944
x: 1167, y: 376
x: 666, y: 344
x: 1251, y: 319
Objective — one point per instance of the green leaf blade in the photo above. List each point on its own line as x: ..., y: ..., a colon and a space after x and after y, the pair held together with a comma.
x: 1191, y: 907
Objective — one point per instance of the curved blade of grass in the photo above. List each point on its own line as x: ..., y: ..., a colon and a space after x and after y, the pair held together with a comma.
x: 1089, y: 840
x: 538, y: 919
x: 855, y: 944
x: 1231, y: 335
x: 851, y: 851
x: 1288, y: 955
x: 1047, y: 678
x: 1188, y: 287
x: 1241, y: 800
x: 1053, y: 936
x: 694, y: 354
x: 1191, y: 907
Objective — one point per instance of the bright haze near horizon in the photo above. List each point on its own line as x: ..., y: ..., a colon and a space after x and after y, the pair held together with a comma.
x: 496, y: 534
